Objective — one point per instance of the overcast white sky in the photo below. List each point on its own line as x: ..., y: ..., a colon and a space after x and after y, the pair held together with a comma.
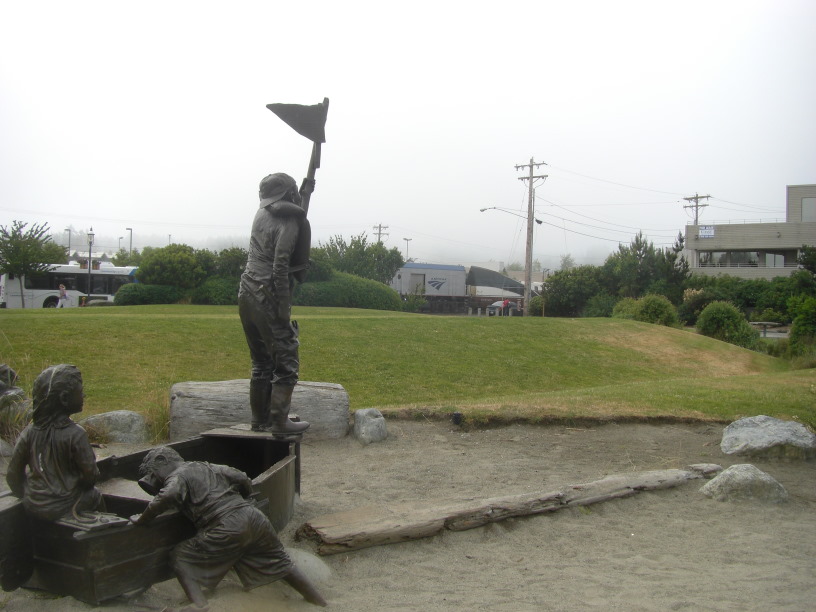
x: 152, y: 115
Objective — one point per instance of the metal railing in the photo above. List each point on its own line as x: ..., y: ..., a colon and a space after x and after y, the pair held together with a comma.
x: 743, y: 265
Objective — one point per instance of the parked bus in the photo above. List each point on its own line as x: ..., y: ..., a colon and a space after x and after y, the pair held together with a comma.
x: 42, y: 290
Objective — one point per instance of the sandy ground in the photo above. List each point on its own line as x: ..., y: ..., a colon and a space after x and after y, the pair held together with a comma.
x: 667, y: 550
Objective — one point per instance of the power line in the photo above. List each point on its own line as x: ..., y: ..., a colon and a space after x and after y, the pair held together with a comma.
x: 602, y: 220
x: 599, y: 237
x: 613, y: 182
x: 763, y: 209
x: 605, y: 204
x: 96, y: 218
x: 607, y: 229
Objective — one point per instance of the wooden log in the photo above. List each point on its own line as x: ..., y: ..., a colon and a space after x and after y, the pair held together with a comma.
x: 377, y: 525
x: 196, y: 407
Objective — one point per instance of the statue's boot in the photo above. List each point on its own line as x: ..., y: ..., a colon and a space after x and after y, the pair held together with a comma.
x: 298, y: 581
x: 279, y: 422
x: 260, y: 390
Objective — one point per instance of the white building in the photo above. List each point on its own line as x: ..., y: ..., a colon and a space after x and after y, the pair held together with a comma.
x: 755, y: 250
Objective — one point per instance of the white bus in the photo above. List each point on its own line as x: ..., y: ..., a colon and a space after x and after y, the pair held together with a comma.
x: 41, y: 290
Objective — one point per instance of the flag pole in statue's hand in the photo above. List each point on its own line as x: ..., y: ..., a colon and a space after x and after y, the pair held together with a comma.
x: 308, y: 121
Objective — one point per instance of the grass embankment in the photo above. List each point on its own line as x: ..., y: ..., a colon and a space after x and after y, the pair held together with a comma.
x: 496, y: 369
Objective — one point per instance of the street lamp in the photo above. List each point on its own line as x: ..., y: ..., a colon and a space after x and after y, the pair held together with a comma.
x: 68, y: 229
x: 120, y: 243
x: 90, y: 262
x: 130, y: 229
x: 510, y: 212
x: 407, y: 240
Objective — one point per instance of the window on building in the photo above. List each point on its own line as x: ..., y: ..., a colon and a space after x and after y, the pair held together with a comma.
x: 774, y: 260
x: 808, y: 209
x: 713, y: 258
x: 744, y: 258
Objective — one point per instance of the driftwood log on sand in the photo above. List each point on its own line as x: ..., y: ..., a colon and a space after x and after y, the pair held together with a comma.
x: 376, y: 525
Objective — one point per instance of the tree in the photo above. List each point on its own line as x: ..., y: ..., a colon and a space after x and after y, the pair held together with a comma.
x: 359, y: 257
x: 807, y: 259
x: 567, y: 262
x: 231, y: 262
x: 631, y: 270
x: 566, y: 292
x: 123, y: 257
x: 175, y: 265
x: 207, y: 260
x: 671, y: 272
x: 24, y: 252
x: 55, y: 253
x: 803, y: 331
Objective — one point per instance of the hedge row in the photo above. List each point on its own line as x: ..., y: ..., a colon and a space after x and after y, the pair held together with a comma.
x: 347, y: 291
x: 135, y: 294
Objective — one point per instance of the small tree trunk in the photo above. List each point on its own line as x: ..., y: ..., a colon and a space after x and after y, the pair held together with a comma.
x: 22, y: 295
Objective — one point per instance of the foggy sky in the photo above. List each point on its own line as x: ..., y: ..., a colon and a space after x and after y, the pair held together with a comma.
x: 152, y: 115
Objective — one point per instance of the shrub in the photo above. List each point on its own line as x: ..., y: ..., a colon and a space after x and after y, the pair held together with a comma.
x: 217, y: 291
x: 694, y: 301
x: 769, y: 314
x: 414, y: 302
x: 601, y: 305
x: 774, y: 347
x: 803, y: 331
x: 15, y: 414
x: 658, y: 310
x: 655, y: 309
x: 176, y: 265
x: 536, y: 306
x: 138, y: 293
x: 347, y: 291
x: 320, y: 268
x: 723, y: 321
x: 625, y: 309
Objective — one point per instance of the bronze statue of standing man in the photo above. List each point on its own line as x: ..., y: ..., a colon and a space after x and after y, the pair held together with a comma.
x: 278, y: 255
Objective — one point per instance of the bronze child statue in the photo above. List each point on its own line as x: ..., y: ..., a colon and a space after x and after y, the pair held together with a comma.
x: 278, y: 254
x: 61, y: 466
x: 231, y: 532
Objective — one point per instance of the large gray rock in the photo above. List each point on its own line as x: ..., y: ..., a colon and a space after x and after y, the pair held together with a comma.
x: 766, y: 437
x: 199, y: 406
x: 124, y: 426
x: 369, y: 426
x: 745, y: 482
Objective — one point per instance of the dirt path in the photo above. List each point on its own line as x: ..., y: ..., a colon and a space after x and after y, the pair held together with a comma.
x: 667, y: 550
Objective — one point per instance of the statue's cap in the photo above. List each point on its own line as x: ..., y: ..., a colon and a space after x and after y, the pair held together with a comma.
x: 274, y: 187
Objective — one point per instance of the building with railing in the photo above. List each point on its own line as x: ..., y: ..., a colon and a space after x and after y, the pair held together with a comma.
x: 755, y: 250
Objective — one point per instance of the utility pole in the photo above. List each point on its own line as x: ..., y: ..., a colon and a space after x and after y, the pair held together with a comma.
x: 378, y: 229
x: 528, y: 264
x: 696, y: 206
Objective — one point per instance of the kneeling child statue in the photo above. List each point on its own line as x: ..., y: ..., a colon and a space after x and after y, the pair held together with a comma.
x: 231, y: 532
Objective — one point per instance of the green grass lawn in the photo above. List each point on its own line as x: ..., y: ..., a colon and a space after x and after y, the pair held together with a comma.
x: 490, y: 369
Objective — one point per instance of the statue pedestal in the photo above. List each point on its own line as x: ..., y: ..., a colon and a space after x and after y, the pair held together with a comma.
x: 196, y: 407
